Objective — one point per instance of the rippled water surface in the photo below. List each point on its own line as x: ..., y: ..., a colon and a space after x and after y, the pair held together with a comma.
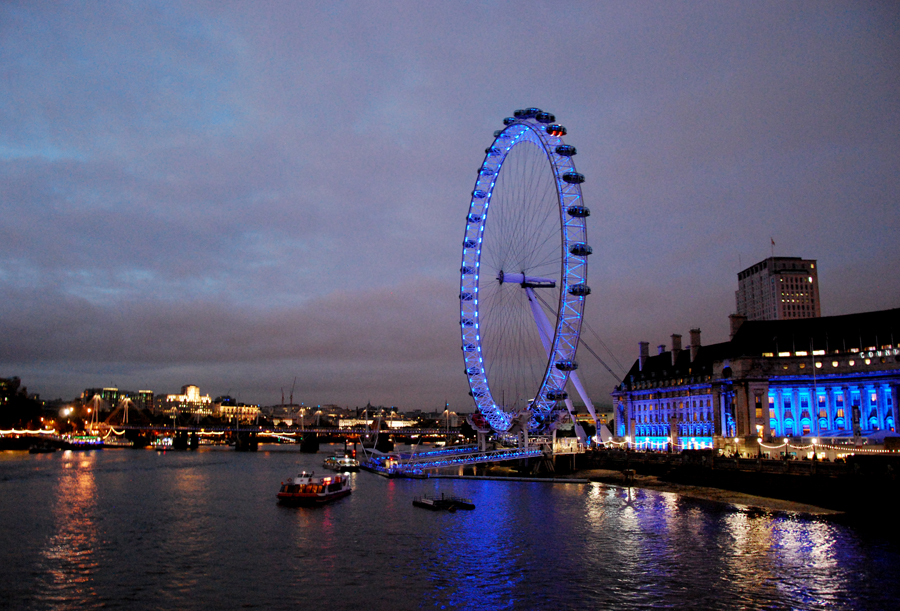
x: 201, y: 530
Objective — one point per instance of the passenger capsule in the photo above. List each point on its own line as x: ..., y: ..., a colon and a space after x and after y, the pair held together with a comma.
x: 470, y: 243
x: 557, y: 395
x: 469, y: 347
x: 497, y: 133
x: 465, y: 297
x: 473, y: 371
x: 492, y: 151
x: 467, y: 322
x: 556, y: 130
x: 578, y: 212
x: 474, y: 218
x: 526, y: 113
x: 573, y: 178
x: 544, y: 117
x: 565, y: 150
x: 509, y: 120
x: 581, y: 250
x: 465, y: 269
x: 566, y: 365
x: 580, y: 290
x: 485, y: 171
x: 479, y: 194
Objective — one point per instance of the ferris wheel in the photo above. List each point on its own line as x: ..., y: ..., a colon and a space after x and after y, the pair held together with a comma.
x: 524, y: 276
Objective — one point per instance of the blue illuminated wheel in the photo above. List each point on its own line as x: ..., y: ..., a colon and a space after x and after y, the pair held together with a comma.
x: 523, y: 273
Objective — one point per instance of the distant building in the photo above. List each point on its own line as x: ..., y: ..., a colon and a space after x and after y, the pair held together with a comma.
x: 190, y: 401
x: 143, y: 399
x: 9, y: 388
x: 230, y: 409
x: 110, y: 396
x: 833, y: 377
x: 779, y: 288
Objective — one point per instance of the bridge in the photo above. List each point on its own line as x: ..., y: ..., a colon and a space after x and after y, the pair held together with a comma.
x: 409, y: 464
x: 416, y: 464
x: 263, y: 430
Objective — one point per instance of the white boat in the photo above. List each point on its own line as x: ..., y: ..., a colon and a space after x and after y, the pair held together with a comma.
x: 341, y: 462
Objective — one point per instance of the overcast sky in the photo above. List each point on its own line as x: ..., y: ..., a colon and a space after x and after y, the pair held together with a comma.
x: 238, y: 194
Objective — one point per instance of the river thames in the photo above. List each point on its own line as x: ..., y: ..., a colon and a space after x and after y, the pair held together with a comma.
x: 141, y: 529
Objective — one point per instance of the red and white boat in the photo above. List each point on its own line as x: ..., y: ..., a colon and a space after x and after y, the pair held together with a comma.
x: 310, y: 489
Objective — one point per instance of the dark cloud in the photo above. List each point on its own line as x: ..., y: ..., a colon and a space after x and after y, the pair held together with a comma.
x: 234, y: 195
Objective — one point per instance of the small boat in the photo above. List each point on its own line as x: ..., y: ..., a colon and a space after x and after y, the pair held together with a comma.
x: 447, y: 503
x: 42, y: 449
x: 164, y: 443
x: 341, y: 463
x: 310, y: 489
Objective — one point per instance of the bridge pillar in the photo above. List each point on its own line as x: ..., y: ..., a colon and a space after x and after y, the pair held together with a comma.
x: 246, y: 442
x: 482, y: 441
x: 309, y: 443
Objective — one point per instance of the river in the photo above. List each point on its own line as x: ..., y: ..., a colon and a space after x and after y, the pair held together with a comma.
x: 141, y: 529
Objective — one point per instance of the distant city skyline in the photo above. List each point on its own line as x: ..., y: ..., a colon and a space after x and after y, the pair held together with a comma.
x: 237, y: 196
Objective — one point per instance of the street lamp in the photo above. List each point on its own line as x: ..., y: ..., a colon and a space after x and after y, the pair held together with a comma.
x: 785, y: 447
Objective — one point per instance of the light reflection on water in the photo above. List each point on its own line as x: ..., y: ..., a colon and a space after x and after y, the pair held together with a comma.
x: 195, y: 530
x: 69, y: 560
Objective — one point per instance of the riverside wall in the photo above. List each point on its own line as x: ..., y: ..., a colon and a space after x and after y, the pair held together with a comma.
x: 860, y: 485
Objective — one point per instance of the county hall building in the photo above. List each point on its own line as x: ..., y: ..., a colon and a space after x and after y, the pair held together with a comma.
x: 789, y: 373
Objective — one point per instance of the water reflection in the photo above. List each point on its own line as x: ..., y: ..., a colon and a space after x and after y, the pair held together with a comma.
x: 69, y: 556
x: 140, y: 530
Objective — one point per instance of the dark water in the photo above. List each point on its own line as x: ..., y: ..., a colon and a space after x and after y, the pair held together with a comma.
x: 125, y: 529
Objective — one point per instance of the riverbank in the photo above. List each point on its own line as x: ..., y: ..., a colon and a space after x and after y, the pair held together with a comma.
x: 739, y: 500
x: 717, y: 495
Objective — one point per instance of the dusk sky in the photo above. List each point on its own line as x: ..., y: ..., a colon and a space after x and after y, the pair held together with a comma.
x: 238, y: 194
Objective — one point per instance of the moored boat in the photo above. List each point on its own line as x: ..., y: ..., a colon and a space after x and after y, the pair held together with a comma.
x: 448, y: 503
x: 341, y: 463
x: 310, y: 489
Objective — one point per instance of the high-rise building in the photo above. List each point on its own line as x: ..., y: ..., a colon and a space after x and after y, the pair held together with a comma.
x: 779, y: 288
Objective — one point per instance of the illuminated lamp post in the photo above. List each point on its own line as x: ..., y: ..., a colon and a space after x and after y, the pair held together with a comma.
x: 814, y: 441
x: 785, y: 447
x: 736, y: 447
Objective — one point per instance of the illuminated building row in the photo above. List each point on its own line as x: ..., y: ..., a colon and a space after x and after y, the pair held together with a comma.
x: 826, y: 377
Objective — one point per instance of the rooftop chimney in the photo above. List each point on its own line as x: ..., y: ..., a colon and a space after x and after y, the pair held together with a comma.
x: 736, y: 321
x: 695, y: 343
x: 661, y: 348
x: 643, y: 354
x: 676, y: 347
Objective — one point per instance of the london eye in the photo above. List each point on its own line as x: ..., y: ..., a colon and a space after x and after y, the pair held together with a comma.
x: 523, y: 277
